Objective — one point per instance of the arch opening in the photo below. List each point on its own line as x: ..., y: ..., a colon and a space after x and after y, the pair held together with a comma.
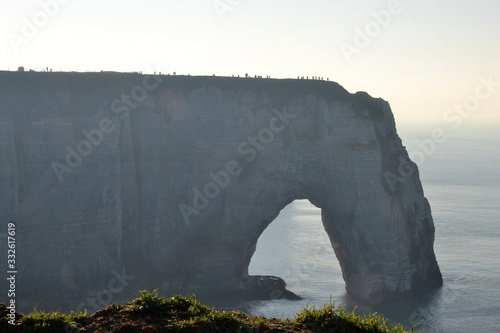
x: 296, y: 247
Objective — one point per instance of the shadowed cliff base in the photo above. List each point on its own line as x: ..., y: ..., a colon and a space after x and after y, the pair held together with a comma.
x: 121, y: 182
x: 253, y: 288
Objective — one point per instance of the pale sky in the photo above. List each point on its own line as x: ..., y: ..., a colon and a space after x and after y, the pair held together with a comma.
x: 424, y: 57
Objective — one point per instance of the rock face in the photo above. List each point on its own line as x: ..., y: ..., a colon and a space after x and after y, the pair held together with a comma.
x: 120, y: 182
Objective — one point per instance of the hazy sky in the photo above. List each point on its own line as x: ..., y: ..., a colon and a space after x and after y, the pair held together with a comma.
x: 434, y: 61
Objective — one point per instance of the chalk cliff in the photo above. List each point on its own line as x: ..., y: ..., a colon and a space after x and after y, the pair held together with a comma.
x: 119, y: 182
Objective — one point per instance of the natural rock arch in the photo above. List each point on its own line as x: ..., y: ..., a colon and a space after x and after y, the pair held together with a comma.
x: 357, y: 247
x: 167, y: 181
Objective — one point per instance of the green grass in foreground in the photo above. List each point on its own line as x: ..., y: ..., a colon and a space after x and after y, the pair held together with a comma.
x: 327, y: 319
x: 180, y: 314
x: 41, y: 322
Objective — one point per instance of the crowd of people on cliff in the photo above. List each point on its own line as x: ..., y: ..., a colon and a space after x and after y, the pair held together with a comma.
x: 47, y: 69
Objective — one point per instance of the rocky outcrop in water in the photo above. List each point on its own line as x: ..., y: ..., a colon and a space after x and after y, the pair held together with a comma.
x: 119, y: 182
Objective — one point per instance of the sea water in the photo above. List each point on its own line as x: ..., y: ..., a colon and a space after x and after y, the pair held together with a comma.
x: 461, y: 180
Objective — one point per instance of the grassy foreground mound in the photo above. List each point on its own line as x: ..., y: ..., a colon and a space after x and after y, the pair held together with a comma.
x: 151, y: 313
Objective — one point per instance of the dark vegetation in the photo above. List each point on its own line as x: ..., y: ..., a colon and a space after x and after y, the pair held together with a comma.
x: 151, y: 313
